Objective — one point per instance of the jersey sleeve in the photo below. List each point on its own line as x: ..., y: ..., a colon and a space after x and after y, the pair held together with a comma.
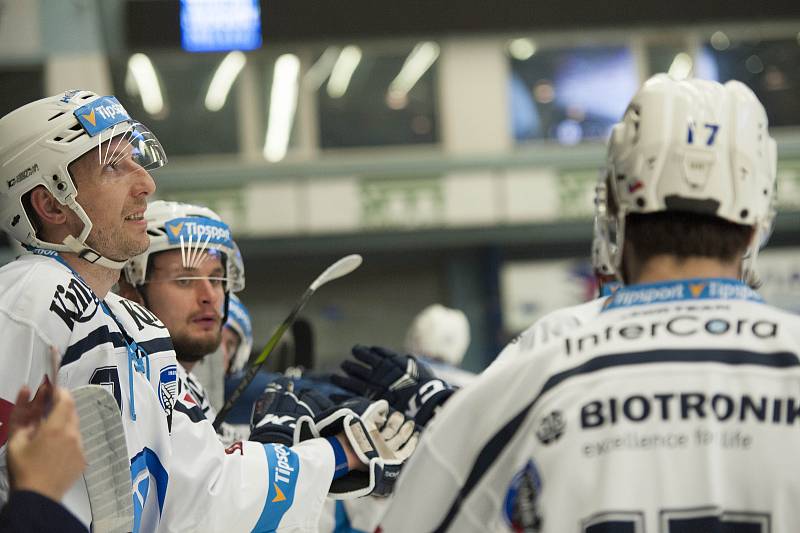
x: 441, y: 471
x: 248, y: 487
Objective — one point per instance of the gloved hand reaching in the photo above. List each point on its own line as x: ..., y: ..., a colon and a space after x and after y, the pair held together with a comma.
x: 402, y: 380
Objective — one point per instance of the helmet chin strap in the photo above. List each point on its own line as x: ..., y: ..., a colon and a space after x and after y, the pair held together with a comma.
x: 78, y: 245
x: 90, y: 255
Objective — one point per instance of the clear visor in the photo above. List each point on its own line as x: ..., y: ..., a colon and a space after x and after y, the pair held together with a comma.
x: 125, y: 148
x: 194, y: 254
x: 134, y: 140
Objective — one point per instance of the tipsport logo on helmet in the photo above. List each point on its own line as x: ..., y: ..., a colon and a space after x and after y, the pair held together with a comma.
x: 198, y: 230
x: 101, y: 114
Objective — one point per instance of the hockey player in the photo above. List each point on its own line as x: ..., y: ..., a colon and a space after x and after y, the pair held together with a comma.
x: 676, y: 407
x: 440, y: 336
x: 186, y: 278
x: 74, y: 191
x: 237, y: 337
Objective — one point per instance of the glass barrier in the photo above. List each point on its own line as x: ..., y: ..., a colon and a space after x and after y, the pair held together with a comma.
x: 768, y: 67
x: 376, y: 98
x: 570, y: 95
x: 188, y: 100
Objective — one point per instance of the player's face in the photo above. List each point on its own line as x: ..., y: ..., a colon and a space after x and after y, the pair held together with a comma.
x: 230, y: 343
x: 113, y: 191
x: 190, y: 308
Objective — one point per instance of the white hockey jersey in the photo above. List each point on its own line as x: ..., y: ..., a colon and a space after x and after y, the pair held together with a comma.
x: 676, y: 410
x: 183, y: 478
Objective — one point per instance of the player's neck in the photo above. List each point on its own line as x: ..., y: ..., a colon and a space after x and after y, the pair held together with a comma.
x: 187, y: 365
x: 99, y: 278
x: 669, y: 268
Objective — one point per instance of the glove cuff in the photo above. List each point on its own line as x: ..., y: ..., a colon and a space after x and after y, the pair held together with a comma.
x: 428, y: 400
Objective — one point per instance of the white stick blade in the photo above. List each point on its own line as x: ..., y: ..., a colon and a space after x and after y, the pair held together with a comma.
x: 107, y: 474
x: 340, y: 268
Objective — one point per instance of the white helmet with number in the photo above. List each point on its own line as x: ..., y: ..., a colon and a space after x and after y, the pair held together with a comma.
x: 192, y: 229
x: 694, y: 146
x: 38, y: 142
x: 440, y: 333
x: 239, y: 321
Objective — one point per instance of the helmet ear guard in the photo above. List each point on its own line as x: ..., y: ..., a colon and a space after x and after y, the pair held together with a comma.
x: 695, y: 146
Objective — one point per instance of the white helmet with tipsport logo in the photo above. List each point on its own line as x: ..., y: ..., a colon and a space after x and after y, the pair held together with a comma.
x: 695, y: 146
x: 195, y: 231
x: 38, y: 142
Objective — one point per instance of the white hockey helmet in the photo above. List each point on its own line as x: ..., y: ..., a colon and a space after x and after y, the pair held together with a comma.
x: 239, y: 322
x: 193, y: 230
x: 694, y: 146
x: 38, y: 142
x: 440, y: 333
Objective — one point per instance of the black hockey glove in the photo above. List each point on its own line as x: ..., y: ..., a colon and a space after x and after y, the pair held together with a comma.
x: 275, y: 414
x: 402, y: 380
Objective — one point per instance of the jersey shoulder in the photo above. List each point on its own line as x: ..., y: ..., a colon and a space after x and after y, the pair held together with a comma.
x: 140, y: 323
x: 551, y: 326
x: 44, y: 294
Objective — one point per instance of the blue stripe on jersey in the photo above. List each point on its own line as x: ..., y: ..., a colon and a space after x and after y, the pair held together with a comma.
x: 99, y: 336
x: 146, y: 465
x: 284, y: 469
x: 162, y: 344
x: 495, y: 446
x: 194, y: 413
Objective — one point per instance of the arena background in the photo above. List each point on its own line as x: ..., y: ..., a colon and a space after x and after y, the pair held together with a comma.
x: 455, y: 145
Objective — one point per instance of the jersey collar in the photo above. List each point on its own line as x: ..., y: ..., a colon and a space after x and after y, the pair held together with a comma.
x: 681, y: 290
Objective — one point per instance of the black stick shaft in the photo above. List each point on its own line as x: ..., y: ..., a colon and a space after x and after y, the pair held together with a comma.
x: 259, y: 362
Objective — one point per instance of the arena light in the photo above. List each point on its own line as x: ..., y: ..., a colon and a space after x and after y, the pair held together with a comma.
x: 421, y: 58
x: 322, y: 68
x: 282, y: 107
x: 681, y: 66
x: 342, y: 72
x: 144, y: 74
x: 521, y: 49
x: 222, y: 81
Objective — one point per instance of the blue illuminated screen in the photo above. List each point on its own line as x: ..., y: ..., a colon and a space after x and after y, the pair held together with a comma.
x: 220, y: 25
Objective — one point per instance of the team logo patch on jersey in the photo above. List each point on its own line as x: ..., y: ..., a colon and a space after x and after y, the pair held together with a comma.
x: 520, y: 506
x: 167, y: 387
x: 551, y: 428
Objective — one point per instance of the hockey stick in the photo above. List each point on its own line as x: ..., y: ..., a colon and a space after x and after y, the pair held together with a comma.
x: 340, y: 268
x: 108, y: 472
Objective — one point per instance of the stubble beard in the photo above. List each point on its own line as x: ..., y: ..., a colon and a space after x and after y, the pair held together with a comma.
x: 192, y: 350
x: 117, y: 245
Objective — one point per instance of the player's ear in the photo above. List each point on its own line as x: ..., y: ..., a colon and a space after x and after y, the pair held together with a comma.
x: 46, y: 208
x: 126, y: 290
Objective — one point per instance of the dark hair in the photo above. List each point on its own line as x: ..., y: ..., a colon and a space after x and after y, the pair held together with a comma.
x: 683, y: 234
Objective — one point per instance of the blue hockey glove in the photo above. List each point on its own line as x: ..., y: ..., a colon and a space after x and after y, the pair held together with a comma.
x: 276, y: 413
x: 402, y: 380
